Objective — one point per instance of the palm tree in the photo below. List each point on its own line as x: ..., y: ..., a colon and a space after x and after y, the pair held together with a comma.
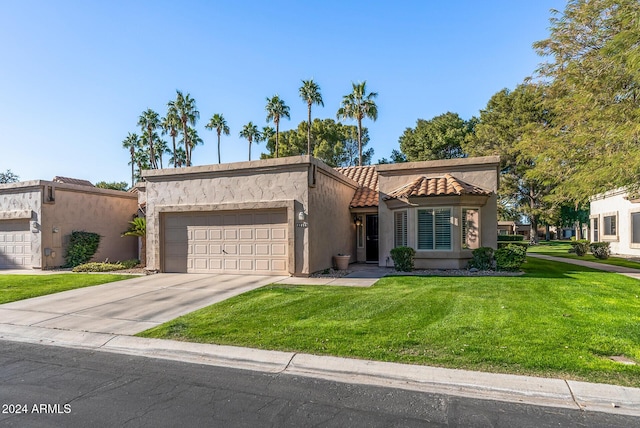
x: 251, y: 133
x: 179, y: 158
x: 358, y: 105
x: 218, y: 123
x: 185, y: 106
x: 138, y: 227
x: 310, y: 92
x: 194, y: 140
x: 170, y: 124
x: 149, y: 121
x: 161, y: 148
x: 132, y: 143
x: 276, y: 108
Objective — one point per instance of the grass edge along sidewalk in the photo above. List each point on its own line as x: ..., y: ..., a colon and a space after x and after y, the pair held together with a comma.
x: 557, y: 320
x: 19, y: 287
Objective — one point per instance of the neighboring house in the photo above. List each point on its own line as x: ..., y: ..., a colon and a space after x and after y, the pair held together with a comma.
x: 37, y: 218
x: 290, y: 216
x: 614, y: 217
x: 506, y: 227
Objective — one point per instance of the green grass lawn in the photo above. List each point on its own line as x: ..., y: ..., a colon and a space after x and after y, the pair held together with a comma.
x: 557, y: 320
x: 561, y: 249
x: 18, y: 287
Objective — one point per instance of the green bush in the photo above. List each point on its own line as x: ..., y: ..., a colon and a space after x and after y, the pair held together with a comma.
x: 600, y: 250
x: 403, y: 258
x: 105, y: 266
x: 580, y: 247
x: 510, y: 238
x: 82, y: 246
x: 482, y: 258
x: 505, y: 243
x: 510, y: 258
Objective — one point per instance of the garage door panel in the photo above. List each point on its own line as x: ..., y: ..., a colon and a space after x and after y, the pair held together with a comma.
x: 233, y: 242
x: 15, y: 244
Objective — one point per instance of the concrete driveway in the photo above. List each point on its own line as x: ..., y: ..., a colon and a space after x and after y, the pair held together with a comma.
x: 131, y: 306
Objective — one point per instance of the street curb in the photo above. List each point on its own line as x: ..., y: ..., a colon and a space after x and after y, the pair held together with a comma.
x: 487, y: 386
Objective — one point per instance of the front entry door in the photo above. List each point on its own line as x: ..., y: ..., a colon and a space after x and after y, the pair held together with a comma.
x: 372, y: 237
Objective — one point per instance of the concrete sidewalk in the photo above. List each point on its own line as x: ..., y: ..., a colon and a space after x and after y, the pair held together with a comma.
x: 488, y: 386
x: 630, y: 272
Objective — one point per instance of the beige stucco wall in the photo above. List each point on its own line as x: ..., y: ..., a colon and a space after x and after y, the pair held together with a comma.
x: 82, y: 208
x: 482, y: 172
x: 331, y: 228
x: 235, y: 186
x: 21, y: 201
x: 615, y: 203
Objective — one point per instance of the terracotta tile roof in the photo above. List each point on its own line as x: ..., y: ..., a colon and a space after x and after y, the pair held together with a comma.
x: 446, y: 185
x: 68, y: 180
x: 367, y: 177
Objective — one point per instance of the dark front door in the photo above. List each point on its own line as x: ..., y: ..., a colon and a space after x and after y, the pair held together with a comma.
x: 372, y: 237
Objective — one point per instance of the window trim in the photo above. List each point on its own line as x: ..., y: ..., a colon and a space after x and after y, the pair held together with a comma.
x: 603, y: 233
x: 451, y: 229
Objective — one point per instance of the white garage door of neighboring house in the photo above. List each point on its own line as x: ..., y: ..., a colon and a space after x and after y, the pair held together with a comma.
x: 15, y: 244
x: 243, y: 242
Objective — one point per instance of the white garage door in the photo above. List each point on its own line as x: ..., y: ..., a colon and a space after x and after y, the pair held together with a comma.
x: 15, y: 244
x: 243, y: 242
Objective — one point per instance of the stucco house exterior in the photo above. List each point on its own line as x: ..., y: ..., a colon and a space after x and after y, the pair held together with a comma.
x: 614, y: 217
x: 291, y: 216
x: 37, y: 218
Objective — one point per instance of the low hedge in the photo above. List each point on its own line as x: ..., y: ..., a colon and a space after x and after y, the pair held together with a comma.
x: 482, y: 258
x: 82, y: 246
x: 105, y: 266
x: 580, y: 247
x: 510, y: 238
x: 506, y: 243
x: 510, y: 258
x: 403, y: 258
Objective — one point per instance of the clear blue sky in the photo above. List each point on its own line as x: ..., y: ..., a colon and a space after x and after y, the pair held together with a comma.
x: 75, y: 75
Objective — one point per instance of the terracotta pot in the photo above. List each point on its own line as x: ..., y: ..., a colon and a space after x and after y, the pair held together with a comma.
x: 342, y: 262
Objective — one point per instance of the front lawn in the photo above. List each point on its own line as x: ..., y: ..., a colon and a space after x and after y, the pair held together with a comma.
x: 18, y: 287
x: 561, y: 249
x: 557, y: 320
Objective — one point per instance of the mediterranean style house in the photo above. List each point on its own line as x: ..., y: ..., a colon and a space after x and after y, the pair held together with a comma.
x: 291, y: 216
x: 614, y: 217
x: 37, y: 218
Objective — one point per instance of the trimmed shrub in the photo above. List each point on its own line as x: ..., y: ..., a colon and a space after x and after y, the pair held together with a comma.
x: 82, y: 246
x: 580, y: 247
x: 482, y: 258
x: 510, y: 258
x: 600, y: 250
x: 105, y: 267
x: 510, y: 238
x: 403, y: 258
x: 505, y: 243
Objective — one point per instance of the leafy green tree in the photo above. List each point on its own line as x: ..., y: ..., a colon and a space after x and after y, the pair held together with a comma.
x: 185, y: 106
x: 276, y: 109
x: 593, y: 81
x: 359, y: 105
x: 396, y: 157
x: 310, y: 93
x: 149, y: 121
x: 251, y: 133
x: 441, y: 137
x: 113, y: 185
x: 138, y: 228
x: 170, y: 124
x: 218, y: 123
x: 8, y: 177
x: 508, y: 127
x: 132, y: 144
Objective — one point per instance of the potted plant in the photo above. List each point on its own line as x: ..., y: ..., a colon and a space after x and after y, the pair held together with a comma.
x: 342, y: 261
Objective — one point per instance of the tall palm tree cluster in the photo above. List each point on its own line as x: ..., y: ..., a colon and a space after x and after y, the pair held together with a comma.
x: 148, y: 148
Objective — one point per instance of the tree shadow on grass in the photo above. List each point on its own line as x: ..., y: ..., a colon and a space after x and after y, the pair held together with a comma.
x: 540, y: 268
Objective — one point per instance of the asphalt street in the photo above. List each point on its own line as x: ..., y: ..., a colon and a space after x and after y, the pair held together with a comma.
x: 45, y: 386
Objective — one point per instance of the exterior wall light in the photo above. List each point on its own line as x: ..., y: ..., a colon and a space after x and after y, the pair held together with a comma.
x: 357, y: 220
x: 302, y: 216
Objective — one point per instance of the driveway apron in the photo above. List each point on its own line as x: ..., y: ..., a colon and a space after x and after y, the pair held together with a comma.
x: 130, y: 306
